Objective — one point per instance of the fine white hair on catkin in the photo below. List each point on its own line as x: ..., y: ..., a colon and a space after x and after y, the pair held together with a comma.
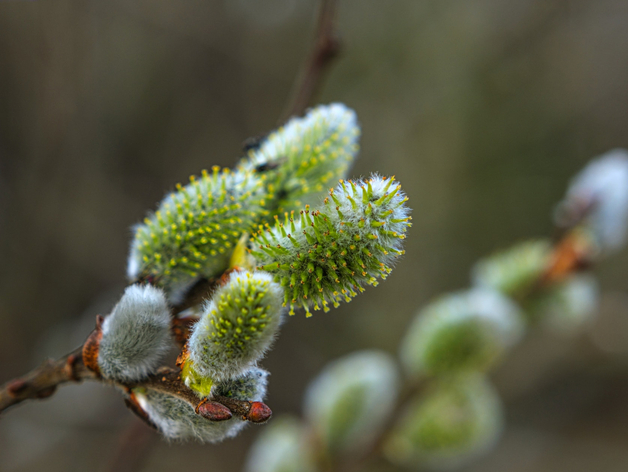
x: 136, y: 335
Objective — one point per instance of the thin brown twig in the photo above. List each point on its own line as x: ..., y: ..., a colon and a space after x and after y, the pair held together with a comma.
x: 43, y: 381
x: 325, y: 48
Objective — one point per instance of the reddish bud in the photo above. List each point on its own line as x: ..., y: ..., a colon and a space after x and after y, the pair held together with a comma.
x: 214, y: 411
x: 259, y: 413
x: 69, y: 367
x: 92, y: 346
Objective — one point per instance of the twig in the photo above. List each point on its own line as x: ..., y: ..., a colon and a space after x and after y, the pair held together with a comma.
x: 43, y: 381
x: 326, y: 47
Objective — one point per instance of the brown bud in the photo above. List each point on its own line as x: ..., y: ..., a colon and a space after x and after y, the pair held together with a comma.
x: 181, y: 329
x: 183, y: 357
x: 91, y: 347
x: 70, y: 367
x: 224, y: 278
x: 214, y: 411
x: 571, y: 254
x: 259, y: 413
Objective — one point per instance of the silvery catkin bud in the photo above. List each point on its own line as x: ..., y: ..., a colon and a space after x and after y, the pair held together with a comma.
x: 250, y: 386
x: 282, y: 446
x: 465, y: 331
x: 515, y: 270
x: 136, y: 335
x: 328, y: 254
x: 599, y: 193
x: 566, y: 305
x: 348, y: 403
x: 195, y: 229
x: 303, y: 157
x: 453, y: 422
x: 236, y: 328
x: 177, y: 420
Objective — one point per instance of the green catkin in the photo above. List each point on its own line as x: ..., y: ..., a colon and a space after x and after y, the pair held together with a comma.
x: 457, y: 419
x: 236, y: 328
x: 327, y: 255
x: 195, y: 229
x: 461, y: 332
x: 305, y: 156
x: 515, y: 270
x: 349, y: 402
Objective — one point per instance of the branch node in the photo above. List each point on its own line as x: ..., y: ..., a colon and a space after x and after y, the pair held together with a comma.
x: 92, y: 346
x: 16, y: 387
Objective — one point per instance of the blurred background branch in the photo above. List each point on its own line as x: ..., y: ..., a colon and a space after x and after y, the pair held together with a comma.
x: 325, y: 47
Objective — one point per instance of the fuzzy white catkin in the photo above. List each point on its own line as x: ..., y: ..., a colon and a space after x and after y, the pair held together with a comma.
x: 350, y: 400
x: 513, y: 271
x: 603, y: 184
x: 282, y: 446
x: 136, y: 335
x: 464, y: 331
x: 177, y: 420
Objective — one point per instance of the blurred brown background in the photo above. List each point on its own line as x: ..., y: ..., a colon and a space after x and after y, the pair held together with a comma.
x: 482, y: 108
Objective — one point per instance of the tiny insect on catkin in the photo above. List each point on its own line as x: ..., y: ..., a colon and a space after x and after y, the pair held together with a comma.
x: 305, y: 156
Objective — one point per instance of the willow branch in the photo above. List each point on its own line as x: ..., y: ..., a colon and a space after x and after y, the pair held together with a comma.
x: 325, y: 48
x: 43, y: 381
